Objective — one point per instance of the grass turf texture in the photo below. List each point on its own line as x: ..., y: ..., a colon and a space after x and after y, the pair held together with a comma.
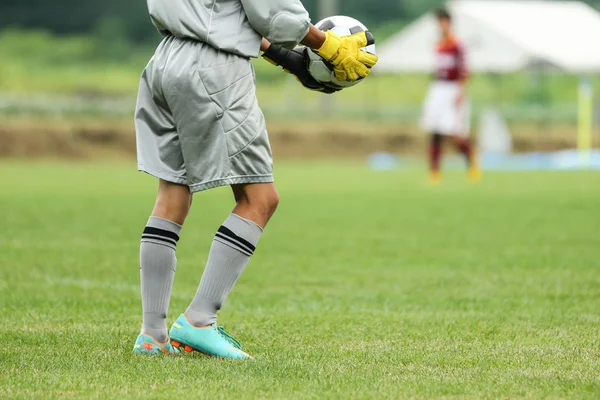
x: 365, y: 285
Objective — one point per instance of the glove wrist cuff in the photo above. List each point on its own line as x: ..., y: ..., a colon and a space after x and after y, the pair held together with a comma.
x: 272, y: 55
x: 330, y: 47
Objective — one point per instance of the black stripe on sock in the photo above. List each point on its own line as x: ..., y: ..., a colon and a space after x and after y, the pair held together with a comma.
x: 227, y: 232
x: 234, y: 244
x: 161, y: 232
x: 160, y: 239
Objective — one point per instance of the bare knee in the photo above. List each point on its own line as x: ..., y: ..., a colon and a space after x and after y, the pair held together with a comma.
x: 173, y: 202
x: 263, y: 204
x: 267, y: 204
x: 256, y: 202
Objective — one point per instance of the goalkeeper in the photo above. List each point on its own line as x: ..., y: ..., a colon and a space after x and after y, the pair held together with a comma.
x: 198, y: 126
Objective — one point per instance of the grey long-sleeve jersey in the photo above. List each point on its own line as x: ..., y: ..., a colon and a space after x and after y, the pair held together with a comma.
x: 235, y: 26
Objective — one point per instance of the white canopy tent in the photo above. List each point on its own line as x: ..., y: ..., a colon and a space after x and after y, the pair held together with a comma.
x: 504, y: 36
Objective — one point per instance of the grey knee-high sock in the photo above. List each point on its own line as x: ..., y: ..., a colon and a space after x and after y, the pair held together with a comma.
x: 157, y: 271
x: 229, y: 254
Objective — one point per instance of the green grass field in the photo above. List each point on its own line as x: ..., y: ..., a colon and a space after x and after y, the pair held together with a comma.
x: 366, y: 285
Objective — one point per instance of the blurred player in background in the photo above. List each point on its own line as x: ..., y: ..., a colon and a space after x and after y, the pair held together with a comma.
x: 447, y: 108
x: 198, y: 127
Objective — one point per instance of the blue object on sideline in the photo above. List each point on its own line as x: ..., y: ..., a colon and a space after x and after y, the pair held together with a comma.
x: 383, y: 161
x: 557, y: 161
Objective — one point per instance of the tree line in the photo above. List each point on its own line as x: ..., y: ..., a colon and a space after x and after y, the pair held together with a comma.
x: 129, y: 18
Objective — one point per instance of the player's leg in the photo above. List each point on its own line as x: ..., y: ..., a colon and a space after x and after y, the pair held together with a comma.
x: 432, y: 121
x: 435, y: 155
x: 157, y: 256
x: 224, y: 142
x: 463, y: 142
x: 159, y: 154
x: 465, y: 148
x: 233, y: 245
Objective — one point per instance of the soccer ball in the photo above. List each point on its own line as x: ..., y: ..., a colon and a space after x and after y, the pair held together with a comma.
x: 322, y: 70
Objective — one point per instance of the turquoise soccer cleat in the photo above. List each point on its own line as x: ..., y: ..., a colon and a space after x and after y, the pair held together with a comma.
x: 210, y: 340
x: 146, y: 344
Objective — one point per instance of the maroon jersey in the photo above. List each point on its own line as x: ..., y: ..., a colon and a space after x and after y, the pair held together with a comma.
x: 450, y: 63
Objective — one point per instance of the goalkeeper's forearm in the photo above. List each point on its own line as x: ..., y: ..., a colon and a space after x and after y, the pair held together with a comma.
x: 264, y: 45
x: 314, y: 39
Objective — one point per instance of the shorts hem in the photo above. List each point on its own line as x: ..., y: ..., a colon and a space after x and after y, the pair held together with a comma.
x: 232, y: 180
x: 163, y: 176
x: 199, y: 187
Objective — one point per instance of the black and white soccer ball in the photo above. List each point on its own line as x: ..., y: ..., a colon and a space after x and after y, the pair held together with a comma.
x: 322, y: 70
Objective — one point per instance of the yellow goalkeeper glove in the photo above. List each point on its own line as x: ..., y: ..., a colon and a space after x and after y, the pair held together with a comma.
x: 349, y: 61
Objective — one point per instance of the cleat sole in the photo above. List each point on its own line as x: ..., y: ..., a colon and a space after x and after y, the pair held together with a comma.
x: 190, y: 349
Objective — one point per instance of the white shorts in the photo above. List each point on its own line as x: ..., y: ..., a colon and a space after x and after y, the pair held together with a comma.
x: 441, y: 114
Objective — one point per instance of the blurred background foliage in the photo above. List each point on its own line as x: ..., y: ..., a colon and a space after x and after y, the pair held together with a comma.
x: 129, y: 20
x: 98, y: 49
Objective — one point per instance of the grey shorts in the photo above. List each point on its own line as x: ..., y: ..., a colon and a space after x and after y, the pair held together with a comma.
x: 197, y: 119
